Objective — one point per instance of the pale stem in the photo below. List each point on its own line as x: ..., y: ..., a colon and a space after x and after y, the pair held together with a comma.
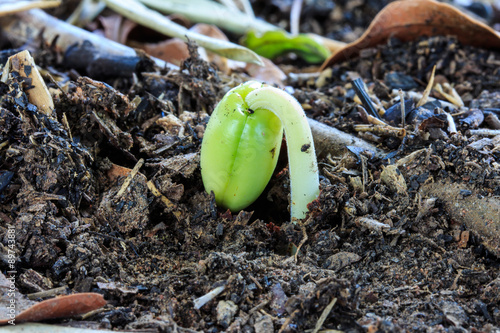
x: 303, y: 167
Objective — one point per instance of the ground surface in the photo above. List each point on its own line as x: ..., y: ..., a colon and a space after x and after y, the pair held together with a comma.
x: 380, y: 251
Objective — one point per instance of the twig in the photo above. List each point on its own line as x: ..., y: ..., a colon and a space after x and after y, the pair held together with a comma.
x: 485, y: 132
x: 324, y: 315
x: 257, y: 283
x: 288, y: 321
x: 427, y: 90
x: 302, y: 242
x: 452, y: 128
x: 200, y: 301
x: 27, y: 26
x: 164, y: 199
x: 329, y: 140
x: 381, y: 129
x: 91, y: 313
x: 129, y: 178
x: 450, y: 94
x: 258, y: 306
x: 359, y: 87
x: 403, y: 111
x: 48, y: 293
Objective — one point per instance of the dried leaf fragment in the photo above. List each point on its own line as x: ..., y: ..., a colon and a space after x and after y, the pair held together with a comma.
x: 60, y: 307
x: 408, y: 20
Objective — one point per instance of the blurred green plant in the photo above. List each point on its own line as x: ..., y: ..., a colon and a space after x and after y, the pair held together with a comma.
x: 272, y: 44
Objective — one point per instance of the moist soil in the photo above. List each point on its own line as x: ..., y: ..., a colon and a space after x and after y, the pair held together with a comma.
x: 382, y: 248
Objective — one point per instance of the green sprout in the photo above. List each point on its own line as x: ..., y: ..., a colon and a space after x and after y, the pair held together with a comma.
x: 242, y: 142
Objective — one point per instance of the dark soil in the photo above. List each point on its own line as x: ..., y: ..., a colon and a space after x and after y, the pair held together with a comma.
x: 377, y: 247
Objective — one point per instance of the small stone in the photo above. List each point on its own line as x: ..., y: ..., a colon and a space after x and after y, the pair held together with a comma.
x: 340, y: 260
x: 392, y: 177
x: 226, y: 310
x: 264, y: 325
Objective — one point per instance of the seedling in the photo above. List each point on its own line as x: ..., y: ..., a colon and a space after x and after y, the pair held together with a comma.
x: 242, y: 142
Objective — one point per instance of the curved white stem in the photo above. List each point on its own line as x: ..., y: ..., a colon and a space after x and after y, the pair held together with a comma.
x: 303, y: 167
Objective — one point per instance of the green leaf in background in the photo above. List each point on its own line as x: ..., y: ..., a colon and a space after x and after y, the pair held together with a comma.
x: 275, y: 43
x: 137, y: 12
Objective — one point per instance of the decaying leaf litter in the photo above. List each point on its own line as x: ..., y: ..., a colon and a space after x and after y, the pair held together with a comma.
x: 393, y: 243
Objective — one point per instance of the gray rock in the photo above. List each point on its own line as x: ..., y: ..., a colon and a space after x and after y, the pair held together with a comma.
x: 226, y: 310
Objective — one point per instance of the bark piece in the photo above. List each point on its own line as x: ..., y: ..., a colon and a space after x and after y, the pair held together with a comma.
x: 37, y: 91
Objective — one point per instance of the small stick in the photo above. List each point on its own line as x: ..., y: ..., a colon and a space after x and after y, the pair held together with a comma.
x: 485, y: 132
x: 324, y: 315
x: 329, y: 140
x: 425, y: 96
x: 359, y: 87
x: 381, y: 129
x: 48, y: 293
x: 402, y: 103
x: 257, y: 283
x: 66, y: 124
x: 151, y: 186
x: 27, y: 26
x: 200, y: 301
x: 258, y: 307
x: 129, y: 178
x: 302, y: 242
x: 452, y: 128
x: 288, y: 321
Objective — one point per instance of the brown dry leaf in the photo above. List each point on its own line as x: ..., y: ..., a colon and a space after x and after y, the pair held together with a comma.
x: 117, y: 171
x: 60, y: 307
x: 175, y: 50
x: 116, y: 28
x: 408, y: 20
x: 172, y: 50
x: 269, y: 73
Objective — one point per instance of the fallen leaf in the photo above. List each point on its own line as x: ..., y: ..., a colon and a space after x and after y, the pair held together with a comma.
x: 173, y: 50
x: 60, y: 307
x: 269, y: 73
x: 408, y: 20
x: 116, y: 28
